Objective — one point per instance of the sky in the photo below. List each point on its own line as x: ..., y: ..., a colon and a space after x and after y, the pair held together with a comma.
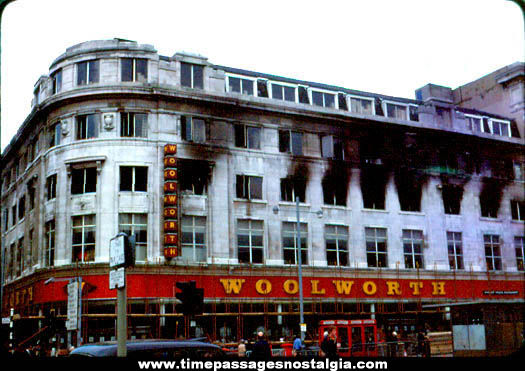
x: 380, y: 46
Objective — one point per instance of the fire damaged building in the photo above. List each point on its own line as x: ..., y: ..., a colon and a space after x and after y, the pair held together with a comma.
x: 404, y: 204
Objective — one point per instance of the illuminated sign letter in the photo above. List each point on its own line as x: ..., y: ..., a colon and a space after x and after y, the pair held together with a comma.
x: 170, y: 200
x: 291, y: 286
x: 232, y: 285
x: 369, y: 288
x: 263, y: 286
x: 170, y: 149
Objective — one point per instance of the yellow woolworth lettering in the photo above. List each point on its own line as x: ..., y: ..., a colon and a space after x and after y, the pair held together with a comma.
x: 343, y: 287
x: 232, y: 285
x: 170, y: 149
x: 291, y: 286
x: 263, y: 286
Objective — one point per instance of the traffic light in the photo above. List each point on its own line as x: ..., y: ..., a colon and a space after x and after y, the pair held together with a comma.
x: 191, y: 297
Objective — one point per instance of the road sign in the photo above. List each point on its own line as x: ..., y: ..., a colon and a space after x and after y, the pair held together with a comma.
x: 72, y: 306
x: 303, y: 327
x: 117, y: 254
x: 6, y: 320
x: 117, y: 278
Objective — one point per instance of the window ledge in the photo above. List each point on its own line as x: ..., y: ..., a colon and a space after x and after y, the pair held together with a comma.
x: 336, y: 207
x: 517, y: 221
x: 250, y: 201
x: 453, y: 215
x: 376, y: 211
x: 288, y: 203
x: 411, y: 213
x: 487, y: 219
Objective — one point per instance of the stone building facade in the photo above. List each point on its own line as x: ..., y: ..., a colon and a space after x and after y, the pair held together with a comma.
x: 403, y: 203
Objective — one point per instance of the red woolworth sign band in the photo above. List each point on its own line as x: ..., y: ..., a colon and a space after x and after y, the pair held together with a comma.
x: 171, y: 215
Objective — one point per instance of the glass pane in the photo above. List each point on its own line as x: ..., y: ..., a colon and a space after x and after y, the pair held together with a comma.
x: 257, y: 240
x: 185, y: 73
x: 140, y: 252
x: 82, y: 73
x: 198, y: 77
x: 243, y: 255
x: 243, y: 239
x: 297, y: 143
x: 234, y: 84
x: 141, y: 179
x: 247, y: 87
x: 141, y: 70
x: 199, y: 238
x: 125, y: 218
x: 289, y: 94
x: 187, y: 237
x: 254, y: 137
x: 256, y: 188
x: 317, y: 98
x: 257, y: 255
x: 141, y: 125
x: 277, y: 91
x: 329, y: 100
x: 77, y: 237
x: 199, y: 131
x: 126, y: 69
x: 92, y: 123
x: 343, y: 258
x: 239, y: 136
x: 93, y: 71
x: 89, y: 235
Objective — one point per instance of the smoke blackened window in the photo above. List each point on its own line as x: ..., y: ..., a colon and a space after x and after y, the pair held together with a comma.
x: 517, y: 209
x: 452, y: 195
x: 262, y: 88
x: 303, y: 95
x: 341, y: 100
x: 291, y: 188
x: 247, y: 136
x: 490, y: 197
x: 373, y: 186
x: 83, y: 180
x: 193, y: 129
x: 409, y: 186
x: 291, y: 142
x: 194, y: 176
x: 249, y: 187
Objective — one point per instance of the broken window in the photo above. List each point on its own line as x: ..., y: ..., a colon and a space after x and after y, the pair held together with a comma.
x: 247, y: 136
x: 193, y: 129
x: 336, y: 239
x: 473, y: 123
x: 133, y: 124
x: 21, y: 207
x: 250, y: 241
x: 83, y: 180
x: 409, y: 186
x: 290, y: 248
x: 335, y: 187
x: 87, y: 72
x: 20, y: 257
x: 413, y: 248
x: 341, y: 101
x: 452, y: 195
x: 192, y: 75
x: 194, y: 176
x: 31, y: 193
x: 361, y: 105
x: 455, y: 250
x: 332, y: 147
x: 262, y: 88
x: 134, y: 178
x: 303, y: 95
x: 490, y: 197
x: 413, y: 113
x: 378, y: 107
x: 517, y: 209
x: 291, y: 142
x: 134, y: 69
x: 87, y: 126
x: 376, y: 247
x: 51, y: 187
x: 241, y: 85
x: 283, y: 92
x: 492, y: 252
x: 249, y: 187
x: 291, y: 188
x: 323, y: 99
x: 373, y: 186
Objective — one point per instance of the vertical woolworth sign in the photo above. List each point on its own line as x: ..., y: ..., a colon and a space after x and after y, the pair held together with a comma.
x: 171, y: 202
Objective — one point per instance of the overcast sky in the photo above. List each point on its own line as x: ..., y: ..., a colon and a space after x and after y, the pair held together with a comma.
x: 381, y: 46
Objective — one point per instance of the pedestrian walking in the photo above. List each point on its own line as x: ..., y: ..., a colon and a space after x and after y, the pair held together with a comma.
x: 297, y: 346
x: 241, y: 349
x: 261, y: 349
x: 329, y: 344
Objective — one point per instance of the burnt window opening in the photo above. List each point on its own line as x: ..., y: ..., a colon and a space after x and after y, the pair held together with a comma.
x: 409, y: 186
x: 378, y: 107
x: 194, y: 176
x: 249, y: 187
x: 13, y: 215
x: 22, y: 208
x: 452, y: 196
x: 134, y: 178
x: 413, y: 113
x: 83, y: 180
x: 291, y: 142
x: 335, y: 188
x: 303, y: 95
x: 486, y: 127
x: 262, y: 88
x: 193, y: 129
x: 247, y: 136
x: 517, y: 209
x: 31, y: 192
x: 341, y: 100
x: 373, y: 186
x: 291, y: 188
x: 332, y: 147
x: 490, y: 197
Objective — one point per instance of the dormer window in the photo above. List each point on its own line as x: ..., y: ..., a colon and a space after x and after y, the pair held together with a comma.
x: 242, y: 85
x: 192, y: 75
x: 323, y: 99
x: 363, y: 106
x: 283, y: 92
x: 500, y: 127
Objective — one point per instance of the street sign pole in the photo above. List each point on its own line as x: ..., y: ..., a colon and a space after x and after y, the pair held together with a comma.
x: 122, y: 323
x: 300, y: 272
x: 79, y: 320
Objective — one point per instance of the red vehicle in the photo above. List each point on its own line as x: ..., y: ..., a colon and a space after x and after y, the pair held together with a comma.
x: 357, y: 338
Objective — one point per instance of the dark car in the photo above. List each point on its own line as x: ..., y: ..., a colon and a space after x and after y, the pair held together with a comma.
x: 147, y: 349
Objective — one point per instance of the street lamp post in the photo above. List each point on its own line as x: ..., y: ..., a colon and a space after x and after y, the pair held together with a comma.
x: 300, y: 272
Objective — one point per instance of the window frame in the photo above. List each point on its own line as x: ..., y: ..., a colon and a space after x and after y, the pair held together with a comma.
x: 456, y: 257
x: 470, y: 125
x: 517, y: 208
x: 292, y: 183
x: 270, y: 84
x: 290, y: 147
x: 56, y: 79
x: 84, y: 229
x: 130, y: 119
x: 241, y: 77
x: 84, y: 179
x: 519, y: 248
x: 82, y: 133
x: 49, y: 243
x: 133, y: 178
x: 135, y: 227
x: 376, y: 251
x: 332, y: 144
x: 56, y: 132
x: 246, y: 137
x: 311, y: 92
x: 194, y: 245
x: 407, y: 106
x: 293, y: 233
x: 135, y: 76
x: 412, y: 254
x: 338, y: 250
x: 246, y: 187
x: 184, y: 131
x: 493, y: 261
x: 89, y: 78
x: 349, y: 98
x: 250, y: 232
x: 51, y: 187
x: 505, y: 122
x: 192, y: 75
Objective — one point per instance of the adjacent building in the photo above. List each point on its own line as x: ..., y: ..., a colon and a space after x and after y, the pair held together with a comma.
x: 404, y: 204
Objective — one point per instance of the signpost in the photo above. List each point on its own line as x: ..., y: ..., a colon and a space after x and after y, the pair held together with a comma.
x: 121, y: 255
x: 72, y: 306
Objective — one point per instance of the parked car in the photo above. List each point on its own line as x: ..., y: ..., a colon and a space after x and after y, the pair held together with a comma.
x: 146, y: 349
